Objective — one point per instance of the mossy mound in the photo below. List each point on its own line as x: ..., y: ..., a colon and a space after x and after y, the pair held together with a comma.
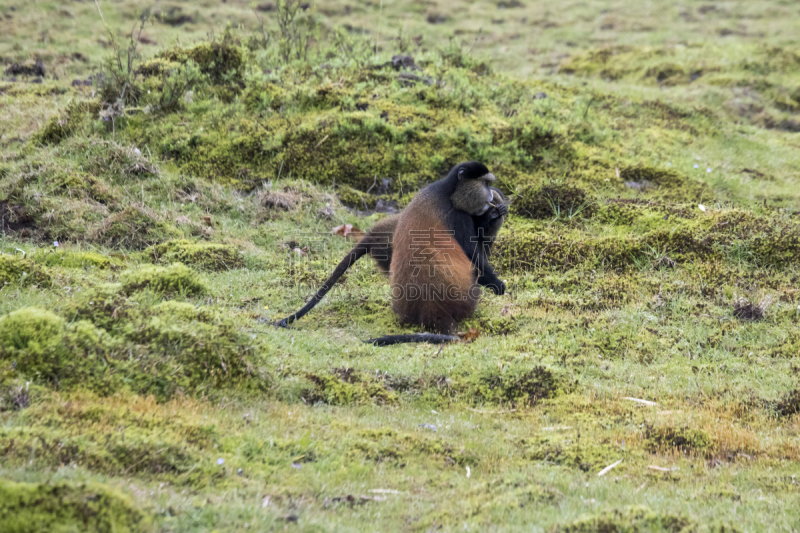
x: 82, y: 200
x: 570, y: 451
x: 345, y: 386
x: 639, y: 519
x: 29, y: 337
x: 73, y: 259
x: 664, y: 183
x: 517, y: 387
x: 221, y: 60
x: 15, y: 269
x: 767, y: 240
x: 552, y: 201
x: 63, y: 508
x: 174, y: 279
x: 177, y: 346
x: 207, y: 256
x: 386, y: 444
x: 134, y: 228
x: 62, y: 126
x: 683, y: 439
x: 353, y: 123
x: 40, y: 345
x: 790, y: 404
x: 137, y: 451
x: 192, y: 347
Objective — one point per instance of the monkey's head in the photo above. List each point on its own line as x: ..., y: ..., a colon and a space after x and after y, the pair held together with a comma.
x: 473, y: 192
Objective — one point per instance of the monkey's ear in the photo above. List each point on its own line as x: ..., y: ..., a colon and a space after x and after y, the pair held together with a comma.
x: 461, y: 173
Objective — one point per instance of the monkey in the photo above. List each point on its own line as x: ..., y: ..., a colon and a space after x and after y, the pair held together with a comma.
x: 378, y: 244
x: 440, y: 257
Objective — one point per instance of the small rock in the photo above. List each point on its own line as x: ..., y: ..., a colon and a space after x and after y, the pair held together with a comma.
x: 404, y: 62
x: 428, y: 426
x: 383, y: 206
x: 436, y: 18
x: 540, y: 96
x: 326, y: 212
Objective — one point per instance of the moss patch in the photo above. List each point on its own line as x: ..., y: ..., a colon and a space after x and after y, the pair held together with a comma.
x: 637, y: 519
x: 134, y: 228
x: 346, y: 386
x: 176, y: 278
x: 73, y: 259
x: 38, y: 344
x: 386, y: 444
x: 518, y: 387
x: 15, y: 269
x: 30, y: 507
x: 683, y: 439
x: 571, y: 451
x: 29, y: 340
x: 207, y: 256
x: 68, y: 123
x: 552, y: 201
x: 790, y: 404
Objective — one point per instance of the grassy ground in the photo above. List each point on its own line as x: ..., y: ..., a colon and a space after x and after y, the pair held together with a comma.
x: 651, y: 321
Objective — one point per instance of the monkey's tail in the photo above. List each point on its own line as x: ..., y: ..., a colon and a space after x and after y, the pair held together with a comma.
x: 355, y: 254
x: 433, y: 338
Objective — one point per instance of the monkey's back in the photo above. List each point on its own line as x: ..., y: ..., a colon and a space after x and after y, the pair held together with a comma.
x: 433, y: 281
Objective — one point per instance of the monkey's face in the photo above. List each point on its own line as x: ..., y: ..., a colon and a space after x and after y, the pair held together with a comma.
x: 473, y: 192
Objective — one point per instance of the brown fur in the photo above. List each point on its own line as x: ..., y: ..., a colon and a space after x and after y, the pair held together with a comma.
x: 445, y: 294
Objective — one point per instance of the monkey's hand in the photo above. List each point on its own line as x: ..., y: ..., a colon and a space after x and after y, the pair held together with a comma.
x: 500, y: 211
x: 281, y: 323
x: 499, y: 288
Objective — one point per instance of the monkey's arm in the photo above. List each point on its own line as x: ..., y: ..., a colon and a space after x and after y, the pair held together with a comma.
x: 488, y: 278
x: 474, y: 247
x: 488, y: 226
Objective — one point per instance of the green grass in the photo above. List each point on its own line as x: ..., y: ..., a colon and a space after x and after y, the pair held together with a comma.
x: 141, y: 394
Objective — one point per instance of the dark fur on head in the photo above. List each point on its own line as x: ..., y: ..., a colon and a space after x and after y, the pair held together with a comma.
x: 472, y: 192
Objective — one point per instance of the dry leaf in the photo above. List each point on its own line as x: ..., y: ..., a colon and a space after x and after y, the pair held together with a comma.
x: 348, y: 231
x: 607, y: 469
x: 639, y: 401
x: 506, y: 311
x: 469, y: 336
x: 661, y: 468
x: 300, y: 252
